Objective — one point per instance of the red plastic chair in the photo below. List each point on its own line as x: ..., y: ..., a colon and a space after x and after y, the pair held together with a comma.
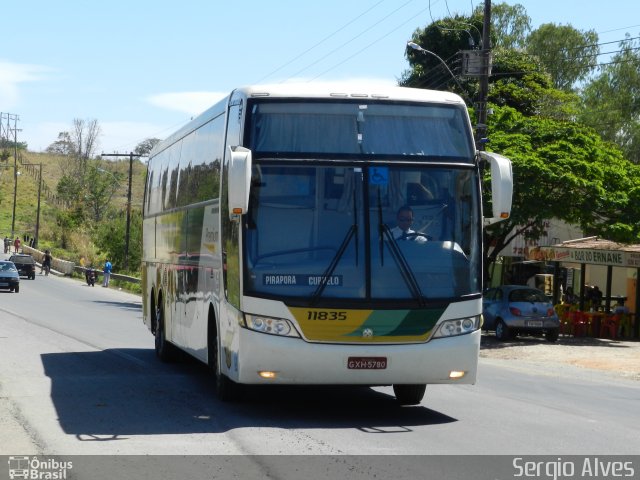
x: 579, y: 324
x: 609, y: 327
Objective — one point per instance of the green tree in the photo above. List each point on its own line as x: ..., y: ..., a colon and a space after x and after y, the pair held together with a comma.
x: 611, y: 102
x: 562, y: 170
x: 8, y: 144
x: 63, y: 145
x: 510, y: 25
x: 78, y: 146
x: 66, y: 222
x: 569, y: 55
x: 145, y: 146
x: 446, y: 38
x: 110, y: 237
x: 520, y: 81
x: 101, y: 187
x: 69, y: 189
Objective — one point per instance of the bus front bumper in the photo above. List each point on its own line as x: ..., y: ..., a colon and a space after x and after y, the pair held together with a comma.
x: 271, y: 359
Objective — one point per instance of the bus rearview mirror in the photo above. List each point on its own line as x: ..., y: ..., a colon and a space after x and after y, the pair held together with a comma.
x: 239, y: 180
x: 501, y: 186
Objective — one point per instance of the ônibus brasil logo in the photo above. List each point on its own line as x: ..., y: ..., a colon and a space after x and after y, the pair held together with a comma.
x: 35, y: 468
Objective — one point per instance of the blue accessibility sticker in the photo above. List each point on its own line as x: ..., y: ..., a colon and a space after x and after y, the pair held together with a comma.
x: 378, y: 175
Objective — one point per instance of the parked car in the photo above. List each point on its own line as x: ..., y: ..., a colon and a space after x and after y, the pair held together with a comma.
x: 25, y: 264
x: 516, y: 310
x: 9, y: 277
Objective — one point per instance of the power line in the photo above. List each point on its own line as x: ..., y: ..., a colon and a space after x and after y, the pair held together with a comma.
x: 380, y: 38
x: 316, y: 45
x: 320, y: 42
x: 369, y: 45
x: 598, y: 44
x: 582, y: 47
x: 597, y: 65
x: 618, y: 29
x: 455, y: 29
x: 349, y: 41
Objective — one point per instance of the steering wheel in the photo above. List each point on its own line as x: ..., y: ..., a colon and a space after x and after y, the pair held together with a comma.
x: 414, y: 235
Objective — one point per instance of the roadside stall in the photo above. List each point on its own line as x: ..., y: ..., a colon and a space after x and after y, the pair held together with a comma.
x: 597, y: 318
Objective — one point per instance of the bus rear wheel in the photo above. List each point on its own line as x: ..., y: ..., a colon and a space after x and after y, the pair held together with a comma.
x: 164, y: 350
x: 409, y: 394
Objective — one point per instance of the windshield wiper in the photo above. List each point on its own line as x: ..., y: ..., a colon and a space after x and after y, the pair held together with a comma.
x: 401, y: 262
x: 353, y: 231
x: 405, y: 269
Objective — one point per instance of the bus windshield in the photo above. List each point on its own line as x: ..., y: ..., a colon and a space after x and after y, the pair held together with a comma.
x: 397, y: 129
x: 406, y: 232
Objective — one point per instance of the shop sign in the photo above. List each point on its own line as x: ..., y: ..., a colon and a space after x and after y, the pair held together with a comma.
x: 615, y: 258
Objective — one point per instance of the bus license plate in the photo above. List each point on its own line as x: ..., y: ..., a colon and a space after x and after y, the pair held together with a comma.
x: 367, y: 363
x: 534, y: 323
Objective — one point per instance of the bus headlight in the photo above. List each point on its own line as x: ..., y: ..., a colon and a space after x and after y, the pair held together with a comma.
x: 273, y: 326
x: 459, y: 326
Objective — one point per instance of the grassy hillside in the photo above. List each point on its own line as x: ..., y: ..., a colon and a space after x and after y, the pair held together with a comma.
x: 27, y: 191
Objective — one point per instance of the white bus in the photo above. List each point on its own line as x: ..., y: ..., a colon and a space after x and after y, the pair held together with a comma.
x: 270, y: 247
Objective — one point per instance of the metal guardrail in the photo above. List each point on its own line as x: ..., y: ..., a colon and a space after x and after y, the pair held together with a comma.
x: 62, y: 266
x: 66, y: 268
x: 114, y: 276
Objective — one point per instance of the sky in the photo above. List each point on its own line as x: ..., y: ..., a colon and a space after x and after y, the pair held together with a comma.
x: 143, y: 68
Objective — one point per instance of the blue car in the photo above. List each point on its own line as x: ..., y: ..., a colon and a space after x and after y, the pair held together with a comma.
x: 512, y: 310
x: 9, y: 276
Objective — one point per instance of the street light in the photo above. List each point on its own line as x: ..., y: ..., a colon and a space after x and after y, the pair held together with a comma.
x: 102, y: 170
x: 417, y: 47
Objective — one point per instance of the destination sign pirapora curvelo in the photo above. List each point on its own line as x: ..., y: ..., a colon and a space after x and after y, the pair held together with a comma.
x: 300, y: 280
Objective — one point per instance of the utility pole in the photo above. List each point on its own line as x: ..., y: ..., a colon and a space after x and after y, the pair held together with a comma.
x: 481, y: 105
x: 128, y: 228
x: 37, y: 234
x: 35, y: 243
x: 5, y: 135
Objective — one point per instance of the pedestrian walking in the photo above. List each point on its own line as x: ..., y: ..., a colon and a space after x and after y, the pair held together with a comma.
x: 16, y: 245
x: 106, y: 273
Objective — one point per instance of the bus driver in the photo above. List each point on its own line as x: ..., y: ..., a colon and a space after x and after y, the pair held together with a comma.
x: 403, y: 230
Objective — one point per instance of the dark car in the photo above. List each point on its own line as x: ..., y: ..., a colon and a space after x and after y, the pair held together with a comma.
x: 517, y: 309
x: 9, y: 278
x: 25, y: 264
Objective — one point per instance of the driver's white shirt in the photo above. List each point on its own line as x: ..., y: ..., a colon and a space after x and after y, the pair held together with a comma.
x: 398, y: 234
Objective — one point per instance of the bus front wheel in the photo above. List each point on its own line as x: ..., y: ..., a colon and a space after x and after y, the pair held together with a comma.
x: 226, y: 389
x: 409, y: 394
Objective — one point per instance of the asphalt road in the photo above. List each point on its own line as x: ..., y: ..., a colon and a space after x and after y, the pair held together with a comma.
x: 78, y: 376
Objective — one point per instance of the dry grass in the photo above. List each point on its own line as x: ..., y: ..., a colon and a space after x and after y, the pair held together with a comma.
x: 52, y: 171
